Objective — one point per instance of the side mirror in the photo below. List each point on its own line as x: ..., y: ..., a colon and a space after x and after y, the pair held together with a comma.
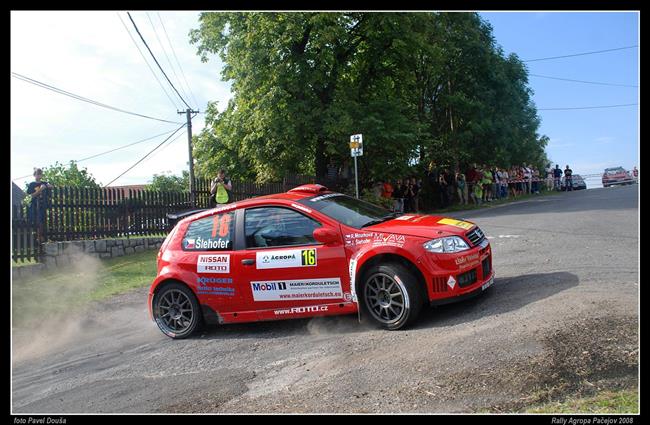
x: 326, y: 236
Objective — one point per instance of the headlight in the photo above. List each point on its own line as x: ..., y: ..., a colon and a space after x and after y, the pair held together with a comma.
x: 446, y: 245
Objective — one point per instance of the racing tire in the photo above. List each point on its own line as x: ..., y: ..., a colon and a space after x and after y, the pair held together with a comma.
x: 391, y: 296
x: 176, y: 311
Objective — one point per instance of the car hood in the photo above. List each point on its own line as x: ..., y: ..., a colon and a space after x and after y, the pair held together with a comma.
x: 426, y: 226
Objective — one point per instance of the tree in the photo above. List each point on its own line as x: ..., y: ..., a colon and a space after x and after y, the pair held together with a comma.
x: 170, y: 182
x: 60, y: 175
x: 420, y: 87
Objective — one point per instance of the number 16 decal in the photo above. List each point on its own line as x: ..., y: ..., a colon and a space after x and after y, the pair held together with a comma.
x: 308, y: 257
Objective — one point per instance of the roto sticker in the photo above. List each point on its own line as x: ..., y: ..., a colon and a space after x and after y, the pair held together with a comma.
x: 457, y: 223
x: 380, y: 239
x: 286, y: 258
x: 300, y: 289
x: 213, y: 264
x: 301, y: 310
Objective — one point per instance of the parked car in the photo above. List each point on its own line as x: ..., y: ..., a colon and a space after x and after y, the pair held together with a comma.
x: 578, y: 183
x: 616, y: 175
x: 313, y: 252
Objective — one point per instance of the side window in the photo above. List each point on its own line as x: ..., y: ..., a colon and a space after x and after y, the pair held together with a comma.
x: 214, y: 233
x: 275, y: 226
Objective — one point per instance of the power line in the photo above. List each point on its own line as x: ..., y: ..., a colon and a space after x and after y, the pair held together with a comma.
x: 145, y: 61
x: 166, y: 55
x: 164, y: 147
x: 581, y: 81
x: 177, y: 61
x: 581, y: 54
x: 107, y: 152
x: 144, y: 157
x: 156, y: 60
x: 83, y: 99
x: 586, y: 107
x: 124, y: 147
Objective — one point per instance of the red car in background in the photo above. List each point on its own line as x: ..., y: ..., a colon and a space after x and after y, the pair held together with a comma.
x: 616, y: 175
x: 312, y: 252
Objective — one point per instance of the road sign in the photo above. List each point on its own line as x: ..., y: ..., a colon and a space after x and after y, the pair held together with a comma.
x: 356, y: 145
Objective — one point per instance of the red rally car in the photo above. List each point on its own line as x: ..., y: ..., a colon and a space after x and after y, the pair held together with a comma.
x: 312, y: 252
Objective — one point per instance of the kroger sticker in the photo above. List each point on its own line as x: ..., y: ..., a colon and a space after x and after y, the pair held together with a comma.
x: 213, y: 264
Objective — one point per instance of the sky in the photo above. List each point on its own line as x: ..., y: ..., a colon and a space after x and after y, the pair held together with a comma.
x: 91, y: 54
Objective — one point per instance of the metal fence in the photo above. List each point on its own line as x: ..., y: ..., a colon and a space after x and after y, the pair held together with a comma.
x: 84, y: 213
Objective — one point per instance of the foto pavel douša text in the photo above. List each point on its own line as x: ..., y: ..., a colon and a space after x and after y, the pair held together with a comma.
x: 40, y: 420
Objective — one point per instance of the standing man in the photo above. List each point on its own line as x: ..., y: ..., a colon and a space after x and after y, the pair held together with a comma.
x: 220, y: 189
x: 557, y: 177
x: 39, y: 191
x: 568, y: 179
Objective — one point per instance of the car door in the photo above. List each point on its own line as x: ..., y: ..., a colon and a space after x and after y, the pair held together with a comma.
x: 283, y: 266
x: 207, y: 255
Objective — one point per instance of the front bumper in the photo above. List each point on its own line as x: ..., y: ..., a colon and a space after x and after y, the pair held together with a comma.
x: 454, y: 276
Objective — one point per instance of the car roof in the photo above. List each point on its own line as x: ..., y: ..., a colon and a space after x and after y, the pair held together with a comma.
x: 295, y: 194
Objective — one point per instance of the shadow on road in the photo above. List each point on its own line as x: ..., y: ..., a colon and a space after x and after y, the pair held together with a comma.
x: 507, y: 294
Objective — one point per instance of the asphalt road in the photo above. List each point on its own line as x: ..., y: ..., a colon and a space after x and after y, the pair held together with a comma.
x: 560, y: 320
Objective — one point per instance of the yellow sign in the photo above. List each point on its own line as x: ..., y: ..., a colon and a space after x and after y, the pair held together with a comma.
x: 458, y: 223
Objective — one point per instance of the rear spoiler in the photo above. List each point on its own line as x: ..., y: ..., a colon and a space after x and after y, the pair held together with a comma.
x: 175, y: 217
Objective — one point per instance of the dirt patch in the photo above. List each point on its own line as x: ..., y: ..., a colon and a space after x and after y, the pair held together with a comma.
x: 578, y: 360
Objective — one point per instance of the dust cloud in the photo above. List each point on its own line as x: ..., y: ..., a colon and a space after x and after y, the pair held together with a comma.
x: 49, y: 314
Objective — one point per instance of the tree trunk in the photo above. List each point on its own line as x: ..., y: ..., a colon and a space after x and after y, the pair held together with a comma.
x: 321, y: 160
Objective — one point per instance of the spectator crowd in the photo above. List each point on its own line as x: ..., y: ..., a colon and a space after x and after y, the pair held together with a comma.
x: 476, y: 184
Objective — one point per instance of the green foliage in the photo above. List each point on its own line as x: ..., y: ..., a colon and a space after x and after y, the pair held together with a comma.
x: 369, y: 195
x: 168, y: 181
x: 420, y: 87
x: 60, y: 175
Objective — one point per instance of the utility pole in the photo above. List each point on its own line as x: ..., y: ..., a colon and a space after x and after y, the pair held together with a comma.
x: 189, y: 145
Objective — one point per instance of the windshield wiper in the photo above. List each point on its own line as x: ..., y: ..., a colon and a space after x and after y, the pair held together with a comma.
x: 380, y: 220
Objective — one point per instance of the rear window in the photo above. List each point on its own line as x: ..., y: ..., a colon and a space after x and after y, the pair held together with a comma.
x: 614, y: 170
x: 214, y: 233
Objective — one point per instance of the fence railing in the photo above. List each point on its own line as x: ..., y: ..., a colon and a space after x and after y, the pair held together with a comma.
x: 25, y: 246
x: 85, y: 213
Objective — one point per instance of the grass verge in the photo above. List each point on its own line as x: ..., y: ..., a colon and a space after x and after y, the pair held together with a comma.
x: 624, y: 401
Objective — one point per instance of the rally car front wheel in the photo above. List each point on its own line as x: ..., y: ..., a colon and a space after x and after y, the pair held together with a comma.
x: 391, y: 296
x: 176, y: 311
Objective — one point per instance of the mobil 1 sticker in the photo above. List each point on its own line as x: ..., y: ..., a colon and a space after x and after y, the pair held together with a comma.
x: 216, y: 263
x: 298, y: 289
x: 286, y: 258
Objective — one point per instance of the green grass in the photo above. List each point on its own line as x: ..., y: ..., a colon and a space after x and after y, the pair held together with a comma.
x: 23, y: 263
x: 59, y: 291
x: 624, y: 401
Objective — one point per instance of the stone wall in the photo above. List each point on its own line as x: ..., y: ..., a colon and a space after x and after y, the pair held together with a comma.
x: 61, y: 254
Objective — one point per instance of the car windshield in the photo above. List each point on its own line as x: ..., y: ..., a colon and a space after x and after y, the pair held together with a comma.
x: 347, y: 210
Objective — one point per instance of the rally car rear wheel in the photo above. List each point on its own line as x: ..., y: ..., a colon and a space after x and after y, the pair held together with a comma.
x: 391, y: 296
x: 176, y: 311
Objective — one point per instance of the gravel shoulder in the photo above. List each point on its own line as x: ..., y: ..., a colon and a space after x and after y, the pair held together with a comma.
x: 561, y: 320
